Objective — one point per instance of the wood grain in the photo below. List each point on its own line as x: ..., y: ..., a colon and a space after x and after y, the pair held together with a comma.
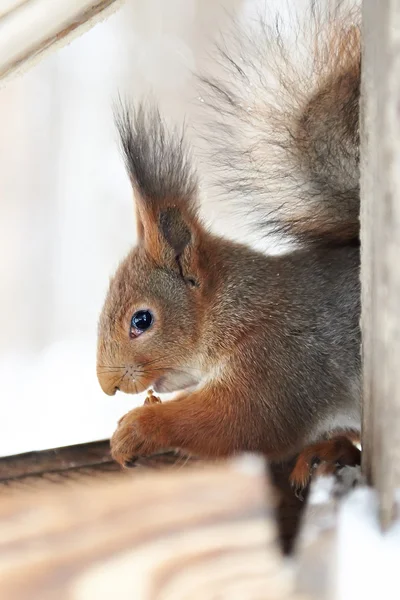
x: 380, y: 237
x: 65, y: 459
x: 317, y: 543
x: 71, y: 463
x: 33, y: 470
x: 85, y: 462
x: 206, y: 532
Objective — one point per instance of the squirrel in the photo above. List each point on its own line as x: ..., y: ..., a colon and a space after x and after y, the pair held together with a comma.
x: 264, y: 351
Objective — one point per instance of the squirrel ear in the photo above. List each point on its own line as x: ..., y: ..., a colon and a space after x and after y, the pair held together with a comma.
x: 169, y: 234
x: 174, y: 230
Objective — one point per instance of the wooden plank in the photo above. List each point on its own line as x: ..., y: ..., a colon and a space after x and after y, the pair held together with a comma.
x: 34, y: 470
x: 73, y: 463
x: 368, y: 183
x: 83, y: 462
x: 204, y: 532
x: 380, y: 234
x: 54, y: 460
x: 317, y: 542
x: 29, y: 29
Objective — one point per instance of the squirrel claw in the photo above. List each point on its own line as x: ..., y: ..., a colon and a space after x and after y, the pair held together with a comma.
x: 298, y: 492
x: 131, y: 463
x: 137, y: 435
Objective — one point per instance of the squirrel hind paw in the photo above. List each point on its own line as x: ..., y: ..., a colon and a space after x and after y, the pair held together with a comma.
x: 329, y: 457
x: 347, y: 478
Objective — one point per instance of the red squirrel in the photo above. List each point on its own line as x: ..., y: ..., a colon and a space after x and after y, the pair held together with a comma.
x: 264, y: 350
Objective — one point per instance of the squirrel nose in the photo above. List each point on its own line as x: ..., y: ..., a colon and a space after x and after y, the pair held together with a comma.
x: 112, y: 379
x: 107, y: 383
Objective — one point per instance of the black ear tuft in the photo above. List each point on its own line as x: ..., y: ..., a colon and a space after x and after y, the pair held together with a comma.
x: 174, y: 229
x: 157, y: 159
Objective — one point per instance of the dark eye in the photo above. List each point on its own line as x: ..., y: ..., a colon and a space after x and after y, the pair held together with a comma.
x: 141, y: 321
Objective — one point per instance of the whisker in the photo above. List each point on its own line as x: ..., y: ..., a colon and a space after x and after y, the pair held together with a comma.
x: 122, y: 379
x: 140, y: 372
x: 149, y: 362
x: 165, y: 365
x: 161, y: 358
x: 186, y: 370
x: 178, y: 371
x: 117, y: 381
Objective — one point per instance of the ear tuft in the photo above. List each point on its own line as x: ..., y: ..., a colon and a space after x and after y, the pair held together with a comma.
x: 157, y: 159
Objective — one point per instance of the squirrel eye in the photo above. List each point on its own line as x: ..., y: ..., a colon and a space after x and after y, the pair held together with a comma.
x: 140, y: 322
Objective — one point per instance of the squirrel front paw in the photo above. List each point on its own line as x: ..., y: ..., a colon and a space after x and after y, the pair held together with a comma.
x: 139, y: 433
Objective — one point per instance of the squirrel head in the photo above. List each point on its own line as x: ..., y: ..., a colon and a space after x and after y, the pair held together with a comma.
x: 150, y: 329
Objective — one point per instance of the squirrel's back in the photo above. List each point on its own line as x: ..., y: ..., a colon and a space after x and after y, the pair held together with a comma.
x: 284, y: 122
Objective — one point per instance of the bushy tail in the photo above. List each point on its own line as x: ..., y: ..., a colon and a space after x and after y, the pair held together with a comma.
x: 284, y: 122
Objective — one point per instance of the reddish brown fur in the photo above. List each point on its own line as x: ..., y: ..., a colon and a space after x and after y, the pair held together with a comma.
x: 193, y: 421
x: 272, y: 343
x: 339, y: 450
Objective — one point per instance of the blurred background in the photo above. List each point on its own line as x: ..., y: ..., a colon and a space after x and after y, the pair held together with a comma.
x: 66, y: 211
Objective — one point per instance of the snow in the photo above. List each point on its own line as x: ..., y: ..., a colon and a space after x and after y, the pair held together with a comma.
x: 52, y: 399
x: 367, y: 560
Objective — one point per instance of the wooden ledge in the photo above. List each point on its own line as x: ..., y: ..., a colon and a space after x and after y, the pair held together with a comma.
x: 191, y: 533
